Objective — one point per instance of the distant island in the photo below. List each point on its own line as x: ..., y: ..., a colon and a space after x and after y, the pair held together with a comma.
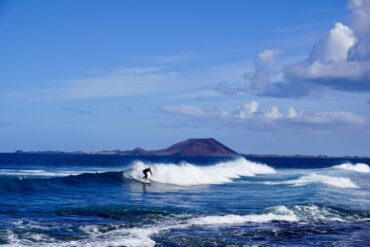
x: 192, y: 147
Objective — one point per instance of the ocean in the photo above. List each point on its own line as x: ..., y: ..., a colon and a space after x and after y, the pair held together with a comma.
x: 98, y: 200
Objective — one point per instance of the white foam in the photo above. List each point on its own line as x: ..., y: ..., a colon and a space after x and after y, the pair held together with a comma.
x: 315, y: 213
x: 313, y: 178
x: 339, y: 182
x: 137, y: 237
x: 39, y: 237
x: 187, y: 174
x: 133, y: 237
x: 130, y: 237
x: 306, y: 213
x: 141, y: 236
x: 358, y: 167
x: 232, y: 219
x: 278, y: 213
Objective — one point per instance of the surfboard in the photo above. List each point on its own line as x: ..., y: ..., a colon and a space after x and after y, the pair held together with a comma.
x: 142, y: 180
x: 147, y: 181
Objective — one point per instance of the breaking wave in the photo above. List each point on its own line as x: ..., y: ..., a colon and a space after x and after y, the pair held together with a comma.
x: 313, y: 178
x: 358, y: 167
x: 306, y: 213
x: 186, y: 174
x: 280, y: 213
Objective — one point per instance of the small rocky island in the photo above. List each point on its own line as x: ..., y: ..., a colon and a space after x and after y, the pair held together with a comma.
x: 190, y: 147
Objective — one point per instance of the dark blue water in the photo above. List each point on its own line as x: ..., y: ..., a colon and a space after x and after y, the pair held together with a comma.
x: 99, y: 200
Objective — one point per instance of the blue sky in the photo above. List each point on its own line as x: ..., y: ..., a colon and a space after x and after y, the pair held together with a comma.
x: 281, y: 77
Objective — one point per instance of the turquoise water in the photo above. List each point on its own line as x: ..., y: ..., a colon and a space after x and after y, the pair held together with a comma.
x: 97, y: 200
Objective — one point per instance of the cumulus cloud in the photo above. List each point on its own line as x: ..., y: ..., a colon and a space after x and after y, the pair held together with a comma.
x: 266, y: 79
x: 336, y: 46
x: 292, y: 113
x: 249, y: 116
x: 247, y: 110
x: 339, y: 61
x: 334, y: 62
x: 361, y: 17
x: 260, y: 80
x: 274, y: 113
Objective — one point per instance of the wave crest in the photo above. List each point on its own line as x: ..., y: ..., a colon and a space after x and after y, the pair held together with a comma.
x: 313, y: 178
x: 358, y: 167
x: 186, y: 174
x: 339, y: 182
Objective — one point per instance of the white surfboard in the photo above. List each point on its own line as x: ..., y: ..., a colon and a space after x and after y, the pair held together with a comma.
x: 145, y: 181
x: 142, y: 180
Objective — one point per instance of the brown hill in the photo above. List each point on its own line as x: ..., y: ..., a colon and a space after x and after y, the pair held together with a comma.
x: 190, y: 147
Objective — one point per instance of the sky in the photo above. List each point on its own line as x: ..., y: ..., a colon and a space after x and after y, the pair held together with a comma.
x: 261, y: 76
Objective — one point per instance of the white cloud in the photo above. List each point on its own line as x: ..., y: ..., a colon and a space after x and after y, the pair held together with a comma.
x: 247, y: 110
x: 336, y: 46
x: 339, y: 61
x: 248, y: 116
x: 194, y: 111
x: 265, y: 70
x: 361, y: 17
x: 261, y: 79
x: 269, y: 55
x: 274, y: 113
x: 328, y: 62
x: 185, y: 110
x: 361, y: 26
x: 292, y: 113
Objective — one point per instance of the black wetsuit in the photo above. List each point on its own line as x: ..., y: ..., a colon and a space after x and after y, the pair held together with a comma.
x: 145, y: 171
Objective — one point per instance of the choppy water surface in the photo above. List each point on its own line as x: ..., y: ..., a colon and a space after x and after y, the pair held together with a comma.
x: 97, y: 200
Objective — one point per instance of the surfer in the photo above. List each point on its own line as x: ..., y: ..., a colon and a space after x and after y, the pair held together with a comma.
x: 145, y: 171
